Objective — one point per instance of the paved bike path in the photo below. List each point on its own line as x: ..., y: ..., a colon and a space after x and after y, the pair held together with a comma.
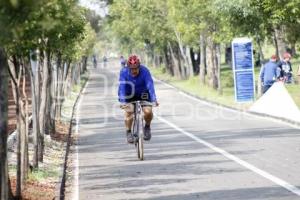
x: 176, y: 166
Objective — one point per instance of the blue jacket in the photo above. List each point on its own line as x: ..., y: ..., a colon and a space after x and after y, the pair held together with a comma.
x: 269, y: 73
x: 140, y: 87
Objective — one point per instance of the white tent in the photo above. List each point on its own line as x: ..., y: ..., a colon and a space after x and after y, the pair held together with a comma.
x: 277, y: 102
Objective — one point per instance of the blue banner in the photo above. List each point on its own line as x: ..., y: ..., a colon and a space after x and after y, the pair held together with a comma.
x: 244, y: 88
x: 243, y: 56
x: 243, y: 69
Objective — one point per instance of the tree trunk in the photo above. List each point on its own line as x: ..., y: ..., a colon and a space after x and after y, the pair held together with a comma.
x: 259, y: 83
x: 156, y: 60
x: 25, y: 122
x: 228, y: 54
x: 84, y: 63
x: 175, y: 62
x: 210, y: 64
x: 261, y: 53
x: 50, y: 117
x: 276, y: 44
x: 293, y: 49
x: 62, y: 86
x: 4, y: 182
x: 168, y: 61
x: 52, y: 89
x: 186, y: 66
x: 67, y: 80
x: 34, y: 75
x: 195, y: 57
x: 218, y: 66
x: 202, y: 59
x: 77, y: 73
x: 42, y: 111
x: 22, y: 121
x: 214, y: 69
x: 59, y: 83
x: 153, y: 60
x: 15, y: 73
x: 190, y: 62
x: 279, y: 37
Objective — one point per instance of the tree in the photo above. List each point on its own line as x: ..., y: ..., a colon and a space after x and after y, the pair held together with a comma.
x: 141, y: 26
x: 280, y: 16
x: 13, y: 17
x: 55, y: 29
x: 4, y: 186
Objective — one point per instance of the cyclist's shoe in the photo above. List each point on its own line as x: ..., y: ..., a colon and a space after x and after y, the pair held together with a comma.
x: 130, y: 138
x: 147, y: 132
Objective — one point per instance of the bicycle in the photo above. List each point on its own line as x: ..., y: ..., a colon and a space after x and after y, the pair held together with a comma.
x: 138, y: 127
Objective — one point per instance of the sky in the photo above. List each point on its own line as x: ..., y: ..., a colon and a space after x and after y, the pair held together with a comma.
x: 95, y: 5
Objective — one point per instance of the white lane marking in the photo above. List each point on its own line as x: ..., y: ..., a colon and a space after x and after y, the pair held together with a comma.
x: 227, y: 109
x: 76, y: 175
x: 245, y: 164
x: 75, y: 195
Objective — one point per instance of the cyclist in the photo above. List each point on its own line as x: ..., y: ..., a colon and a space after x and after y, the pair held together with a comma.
x: 135, y: 83
x: 104, y: 61
x: 122, y: 61
x: 95, y: 61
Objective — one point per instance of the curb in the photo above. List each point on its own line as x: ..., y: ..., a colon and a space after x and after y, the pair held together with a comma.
x: 288, y: 121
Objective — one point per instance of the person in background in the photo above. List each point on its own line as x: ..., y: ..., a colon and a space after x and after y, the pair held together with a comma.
x: 104, y: 61
x: 95, y: 61
x: 286, y: 68
x: 269, y: 73
x: 122, y: 61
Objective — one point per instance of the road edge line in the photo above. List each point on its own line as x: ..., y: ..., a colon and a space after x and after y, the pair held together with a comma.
x: 75, y: 193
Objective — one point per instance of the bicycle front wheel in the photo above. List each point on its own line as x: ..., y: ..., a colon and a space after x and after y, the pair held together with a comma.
x: 140, y: 148
x: 141, y: 140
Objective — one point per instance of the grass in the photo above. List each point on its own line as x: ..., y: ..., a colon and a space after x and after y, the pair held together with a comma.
x: 294, y: 91
x: 43, y: 174
x: 195, y: 87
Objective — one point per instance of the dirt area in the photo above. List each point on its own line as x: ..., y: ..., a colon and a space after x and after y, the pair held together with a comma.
x: 62, y: 130
x: 35, y: 190
x: 43, y: 184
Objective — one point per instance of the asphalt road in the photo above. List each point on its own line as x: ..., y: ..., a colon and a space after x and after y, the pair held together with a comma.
x: 197, y: 151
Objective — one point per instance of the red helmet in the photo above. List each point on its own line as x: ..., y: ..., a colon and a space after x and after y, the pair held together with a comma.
x: 133, y: 60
